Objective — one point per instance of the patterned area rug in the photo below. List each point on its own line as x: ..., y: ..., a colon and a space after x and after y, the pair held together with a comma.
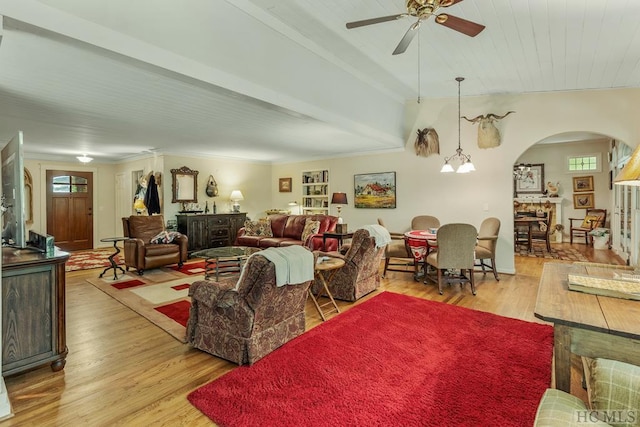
x: 160, y: 295
x: 568, y: 254
x: 86, y: 260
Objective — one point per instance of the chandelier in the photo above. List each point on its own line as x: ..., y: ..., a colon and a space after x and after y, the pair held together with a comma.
x: 520, y: 170
x: 464, y: 159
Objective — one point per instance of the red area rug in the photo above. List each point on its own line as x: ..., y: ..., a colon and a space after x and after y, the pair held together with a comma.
x: 85, y: 260
x: 178, y: 311
x: 392, y: 360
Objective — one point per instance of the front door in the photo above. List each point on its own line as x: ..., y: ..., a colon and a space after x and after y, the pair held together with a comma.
x: 70, y: 209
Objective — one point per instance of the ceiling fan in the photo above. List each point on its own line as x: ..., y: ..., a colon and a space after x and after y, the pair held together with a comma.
x: 423, y: 9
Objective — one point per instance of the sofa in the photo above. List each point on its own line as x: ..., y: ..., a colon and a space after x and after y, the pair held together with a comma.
x: 244, y: 319
x: 140, y: 250
x: 286, y: 230
x: 613, y: 394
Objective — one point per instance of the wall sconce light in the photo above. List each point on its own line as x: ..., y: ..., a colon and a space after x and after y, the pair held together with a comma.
x: 465, y: 160
x: 84, y: 158
x: 235, y: 197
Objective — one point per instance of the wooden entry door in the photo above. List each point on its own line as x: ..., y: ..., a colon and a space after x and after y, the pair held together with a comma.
x: 70, y: 209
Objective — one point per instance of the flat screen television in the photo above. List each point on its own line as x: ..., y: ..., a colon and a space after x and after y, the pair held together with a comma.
x: 13, y: 215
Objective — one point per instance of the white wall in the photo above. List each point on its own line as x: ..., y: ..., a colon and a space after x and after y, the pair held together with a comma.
x: 422, y: 189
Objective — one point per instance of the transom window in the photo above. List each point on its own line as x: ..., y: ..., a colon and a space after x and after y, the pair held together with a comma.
x: 584, y: 163
x: 69, y: 184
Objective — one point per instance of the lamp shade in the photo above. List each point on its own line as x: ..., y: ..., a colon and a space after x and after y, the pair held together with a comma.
x: 339, y: 199
x: 236, y: 195
x: 630, y: 173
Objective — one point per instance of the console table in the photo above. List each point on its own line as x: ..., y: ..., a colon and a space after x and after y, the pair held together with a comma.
x: 585, y: 324
x: 33, y: 310
x: 210, y: 230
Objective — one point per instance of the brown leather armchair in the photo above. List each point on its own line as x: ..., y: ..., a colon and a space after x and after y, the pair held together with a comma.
x: 141, y: 254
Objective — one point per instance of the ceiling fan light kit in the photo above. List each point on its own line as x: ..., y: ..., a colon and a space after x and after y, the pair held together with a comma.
x: 423, y: 9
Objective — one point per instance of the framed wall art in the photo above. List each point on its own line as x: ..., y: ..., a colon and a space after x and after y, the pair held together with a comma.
x: 532, y: 181
x: 583, y: 201
x: 375, y: 190
x: 582, y: 183
x: 284, y: 185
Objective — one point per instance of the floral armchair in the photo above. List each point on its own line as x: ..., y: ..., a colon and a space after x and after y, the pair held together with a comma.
x: 246, y: 322
x: 360, y: 273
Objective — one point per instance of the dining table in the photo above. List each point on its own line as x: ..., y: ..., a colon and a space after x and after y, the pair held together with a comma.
x: 420, y: 243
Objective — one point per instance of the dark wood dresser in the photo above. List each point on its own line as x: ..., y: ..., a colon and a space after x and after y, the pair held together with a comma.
x: 210, y: 230
x: 33, y: 310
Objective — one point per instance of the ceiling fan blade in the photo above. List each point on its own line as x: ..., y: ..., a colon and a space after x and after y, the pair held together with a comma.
x: 371, y: 21
x: 461, y: 25
x: 450, y: 4
x: 408, y: 36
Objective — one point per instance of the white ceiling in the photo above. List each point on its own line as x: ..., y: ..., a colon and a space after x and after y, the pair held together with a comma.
x: 280, y: 80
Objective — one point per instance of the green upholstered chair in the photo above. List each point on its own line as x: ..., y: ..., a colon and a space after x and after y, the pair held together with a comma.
x: 613, y: 388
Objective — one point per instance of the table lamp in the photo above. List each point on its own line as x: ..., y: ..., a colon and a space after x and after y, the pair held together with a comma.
x: 340, y: 199
x: 236, y: 196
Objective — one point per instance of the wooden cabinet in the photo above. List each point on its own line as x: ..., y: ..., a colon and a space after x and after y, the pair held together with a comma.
x: 210, y: 230
x: 33, y: 310
x: 315, y: 192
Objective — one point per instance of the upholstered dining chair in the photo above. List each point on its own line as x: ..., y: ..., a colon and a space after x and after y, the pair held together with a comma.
x: 397, y: 251
x: 594, y: 218
x: 485, y: 252
x: 424, y: 222
x: 456, y: 245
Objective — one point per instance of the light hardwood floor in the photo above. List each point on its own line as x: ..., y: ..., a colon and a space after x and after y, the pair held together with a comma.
x: 123, y: 370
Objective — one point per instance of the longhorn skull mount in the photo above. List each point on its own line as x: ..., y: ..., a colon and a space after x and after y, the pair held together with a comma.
x: 488, y: 134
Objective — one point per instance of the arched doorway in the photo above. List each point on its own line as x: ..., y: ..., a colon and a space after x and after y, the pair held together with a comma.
x: 554, y: 154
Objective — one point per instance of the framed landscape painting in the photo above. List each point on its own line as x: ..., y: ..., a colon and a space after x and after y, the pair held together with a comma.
x: 375, y: 190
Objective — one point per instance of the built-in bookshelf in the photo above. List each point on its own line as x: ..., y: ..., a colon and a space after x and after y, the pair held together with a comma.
x: 315, y: 192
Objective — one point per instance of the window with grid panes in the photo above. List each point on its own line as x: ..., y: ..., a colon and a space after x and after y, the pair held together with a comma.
x: 583, y: 163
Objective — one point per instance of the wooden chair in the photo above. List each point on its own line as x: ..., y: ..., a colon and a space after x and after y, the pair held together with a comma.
x: 541, y: 231
x: 456, y: 245
x: 486, y: 246
x: 594, y: 218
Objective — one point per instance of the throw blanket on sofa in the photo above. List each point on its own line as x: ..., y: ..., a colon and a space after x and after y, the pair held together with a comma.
x: 294, y: 264
x: 379, y: 233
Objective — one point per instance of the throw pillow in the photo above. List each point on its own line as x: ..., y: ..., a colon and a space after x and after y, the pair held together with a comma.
x: 258, y: 228
x: 587, y: 223
x: 165, y: 237
x: 311, y: 227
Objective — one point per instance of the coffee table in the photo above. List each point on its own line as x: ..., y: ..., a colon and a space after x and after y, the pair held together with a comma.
x: 225, y: 259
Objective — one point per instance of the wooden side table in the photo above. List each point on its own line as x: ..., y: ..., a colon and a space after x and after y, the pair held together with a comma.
x: 334, y: 235
x: 328, y: 266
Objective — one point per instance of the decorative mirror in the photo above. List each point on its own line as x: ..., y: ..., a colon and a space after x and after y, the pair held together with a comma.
x: 185, y: 185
